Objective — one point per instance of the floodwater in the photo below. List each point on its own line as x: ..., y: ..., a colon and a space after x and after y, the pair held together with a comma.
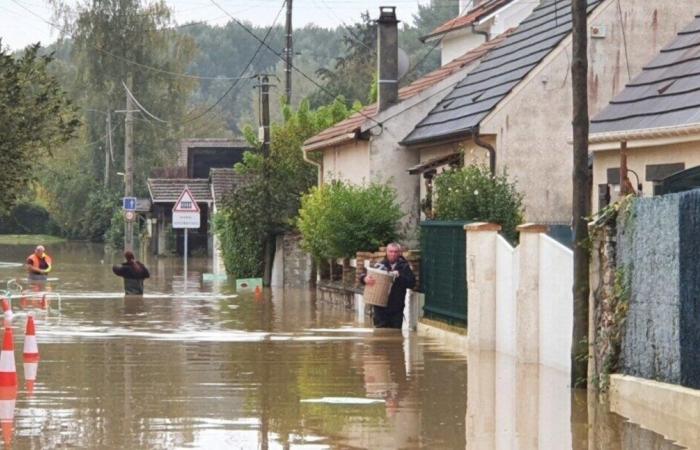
x: 193, y: 364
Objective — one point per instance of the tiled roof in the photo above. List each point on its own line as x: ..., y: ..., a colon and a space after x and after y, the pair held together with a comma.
x: 349, y: 127
x: 482, y: 89
x: 472, y: 16
x: 168, y: 190
x: 665, y: 94
x: 224, y: 181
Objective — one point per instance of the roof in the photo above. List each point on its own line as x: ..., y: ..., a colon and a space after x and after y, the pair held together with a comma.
x: 347, y: 129
x: 663, y: 98
x: 482, y: 89
x: 472, y: 16
x: 168, y: 190
x: 224, y: 181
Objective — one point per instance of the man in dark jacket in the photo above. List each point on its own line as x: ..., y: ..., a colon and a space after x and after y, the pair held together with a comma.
x: 133, y: 273
x: 391, y: 316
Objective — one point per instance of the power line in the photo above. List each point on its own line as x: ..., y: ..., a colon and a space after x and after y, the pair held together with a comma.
x: 262, y: 42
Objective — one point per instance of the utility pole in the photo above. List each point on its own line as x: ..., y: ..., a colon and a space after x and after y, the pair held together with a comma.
x: 581, y: 187
x: 108, y: 148
x: 128, y: 164
x: 269, y: 245
x: 289, y: 52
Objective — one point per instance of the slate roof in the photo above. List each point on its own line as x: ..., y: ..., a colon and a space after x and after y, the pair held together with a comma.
x: 168, y: 190
x: 347, y: 129
x: 472, y: 16
x: 224, y: 181
x: 482, y: 89
x: 665, y: 94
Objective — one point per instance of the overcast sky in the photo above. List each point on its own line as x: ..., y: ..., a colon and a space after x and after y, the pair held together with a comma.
x: 20, y: 27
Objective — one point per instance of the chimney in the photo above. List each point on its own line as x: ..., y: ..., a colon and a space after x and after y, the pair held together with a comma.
x: 387, y: 58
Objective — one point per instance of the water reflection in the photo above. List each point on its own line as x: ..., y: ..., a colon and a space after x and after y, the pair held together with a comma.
x: 511, y: 405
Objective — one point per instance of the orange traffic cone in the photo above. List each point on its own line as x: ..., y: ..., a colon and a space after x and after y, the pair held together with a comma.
x: 8, y: 398
x: 44, y: 303
x: 258, y: 293
x: 8, y: 371
x: 6, y: 309
x: 30, y: 355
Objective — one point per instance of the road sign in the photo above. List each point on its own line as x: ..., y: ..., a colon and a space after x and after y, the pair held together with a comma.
x: 129, y: 216
x: 186, y: 211
x: 129, y: 203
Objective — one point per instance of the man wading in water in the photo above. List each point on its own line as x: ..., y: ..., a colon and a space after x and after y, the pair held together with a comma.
x: 133, y: 273
x: 38, y: 264
x: 391, y: 316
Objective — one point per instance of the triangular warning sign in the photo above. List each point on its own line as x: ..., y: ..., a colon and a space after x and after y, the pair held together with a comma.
x: 186, y: 202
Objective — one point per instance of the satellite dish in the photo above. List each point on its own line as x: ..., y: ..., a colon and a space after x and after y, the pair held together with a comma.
x: 403, y: 63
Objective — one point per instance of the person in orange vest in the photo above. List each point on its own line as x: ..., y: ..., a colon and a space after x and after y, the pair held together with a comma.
x: 38, y: 264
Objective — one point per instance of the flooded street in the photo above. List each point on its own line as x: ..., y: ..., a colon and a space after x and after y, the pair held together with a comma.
x: 193, y: 365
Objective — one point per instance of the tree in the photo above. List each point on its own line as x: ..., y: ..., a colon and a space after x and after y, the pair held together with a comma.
x: 36, y: 116
x: 268, y: 206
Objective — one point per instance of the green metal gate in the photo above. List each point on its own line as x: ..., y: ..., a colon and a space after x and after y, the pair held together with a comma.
x: 443, y: 271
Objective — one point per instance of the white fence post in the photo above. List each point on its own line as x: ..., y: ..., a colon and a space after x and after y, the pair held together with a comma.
x: 527, y: 315
x: 481, y: 285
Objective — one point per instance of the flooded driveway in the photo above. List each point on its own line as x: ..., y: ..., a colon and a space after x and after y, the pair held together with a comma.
x: 193, y: 365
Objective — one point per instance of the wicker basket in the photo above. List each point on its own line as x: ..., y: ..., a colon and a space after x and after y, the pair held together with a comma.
x: 378, y: 293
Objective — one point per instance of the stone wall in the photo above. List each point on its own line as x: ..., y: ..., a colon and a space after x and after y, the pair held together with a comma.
x: 292, y: 266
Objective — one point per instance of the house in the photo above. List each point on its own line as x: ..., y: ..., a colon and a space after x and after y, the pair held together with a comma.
x: 365, y: 146
x: 514, y: 109
x: 205, y: 166
x: 654, y: 123
x: 481, y: 21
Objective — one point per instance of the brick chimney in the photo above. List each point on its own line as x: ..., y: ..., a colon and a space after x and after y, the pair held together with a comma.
x: 387, y: 57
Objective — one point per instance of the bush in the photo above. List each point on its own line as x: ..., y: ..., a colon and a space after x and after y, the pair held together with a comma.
x: 28, y: 218
x: 472, y: 193
x: 337, y: 220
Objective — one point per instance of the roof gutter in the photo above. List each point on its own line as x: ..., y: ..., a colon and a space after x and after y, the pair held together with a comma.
x: 320, y: 145
x: 488, y: 147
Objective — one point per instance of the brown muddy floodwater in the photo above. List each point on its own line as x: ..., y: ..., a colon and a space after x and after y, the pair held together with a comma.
x: 198, y: 366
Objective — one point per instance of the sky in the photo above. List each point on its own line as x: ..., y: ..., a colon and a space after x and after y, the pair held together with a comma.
x: 23, y: 22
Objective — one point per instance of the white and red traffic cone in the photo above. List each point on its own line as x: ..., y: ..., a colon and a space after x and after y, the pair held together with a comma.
x: 30, y: 355
x: 6, y: 309
x: 8, y: 371
x: 8, y: 399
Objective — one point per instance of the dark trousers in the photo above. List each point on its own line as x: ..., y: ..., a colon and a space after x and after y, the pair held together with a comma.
x: 384, y: 319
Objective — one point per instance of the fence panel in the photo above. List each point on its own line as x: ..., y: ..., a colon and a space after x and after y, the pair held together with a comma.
x: 556, y: 303
x: 443, y: 271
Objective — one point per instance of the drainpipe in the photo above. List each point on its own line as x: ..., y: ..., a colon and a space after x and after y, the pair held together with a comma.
x: 489, y: 148
x: 485, y: 34
x: 314, y: 163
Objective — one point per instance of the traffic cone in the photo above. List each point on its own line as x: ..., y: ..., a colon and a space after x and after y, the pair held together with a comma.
x: 8, y: 398
x: 30, y: 370
x: 44, y: 303
x: 8, y: 371
x: 6, y: 309
x: 258, y: 293
x: 31, y: 349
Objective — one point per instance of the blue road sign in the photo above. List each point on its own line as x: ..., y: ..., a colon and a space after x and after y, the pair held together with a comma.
x: 129, y: 203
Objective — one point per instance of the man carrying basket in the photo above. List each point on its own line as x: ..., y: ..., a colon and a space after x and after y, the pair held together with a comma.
x: 391, y: 316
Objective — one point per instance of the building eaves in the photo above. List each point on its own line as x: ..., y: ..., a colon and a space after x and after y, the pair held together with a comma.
x: 471, y: 17
x: 663, y: 100
x: 349, y: 129
x: 486, y: 85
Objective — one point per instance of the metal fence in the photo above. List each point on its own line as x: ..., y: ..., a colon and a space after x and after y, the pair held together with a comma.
x: 443, y: 271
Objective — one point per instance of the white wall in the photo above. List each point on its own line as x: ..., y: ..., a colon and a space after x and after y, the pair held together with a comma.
x: 506, y: 276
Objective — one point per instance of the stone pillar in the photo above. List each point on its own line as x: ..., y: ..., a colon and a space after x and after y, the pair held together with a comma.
x: 527, y: 296
x: 481, y: 285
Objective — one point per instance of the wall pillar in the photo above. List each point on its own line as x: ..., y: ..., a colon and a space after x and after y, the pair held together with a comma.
x: 481, y: 285
x: 527, y: 296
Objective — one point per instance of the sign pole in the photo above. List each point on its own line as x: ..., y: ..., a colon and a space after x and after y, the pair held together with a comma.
x: 186, y: 230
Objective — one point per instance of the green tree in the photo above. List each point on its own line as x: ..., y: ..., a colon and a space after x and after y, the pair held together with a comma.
x: 472, y: 193
x: 337, y: 220
x: 35, y: 117
x: 268, y: 205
